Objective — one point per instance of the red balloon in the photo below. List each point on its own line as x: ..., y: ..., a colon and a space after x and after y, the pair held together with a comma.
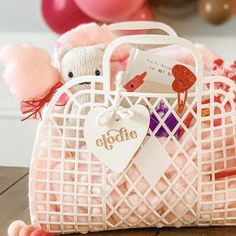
x: 63, y: 15
x: 109, y: 10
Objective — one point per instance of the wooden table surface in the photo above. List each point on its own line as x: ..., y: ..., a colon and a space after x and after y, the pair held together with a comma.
x: 14, y: 206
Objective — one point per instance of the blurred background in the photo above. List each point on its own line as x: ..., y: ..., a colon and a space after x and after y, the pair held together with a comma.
x: 210, y: 22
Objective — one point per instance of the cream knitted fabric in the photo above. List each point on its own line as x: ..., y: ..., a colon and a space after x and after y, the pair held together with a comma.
x: 77, y: 62
x: 82, y: 61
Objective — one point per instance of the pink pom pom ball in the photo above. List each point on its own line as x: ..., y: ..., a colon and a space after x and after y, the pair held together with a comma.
x: 37, y: 232
x: 15, y: 227
x: 26, y: 230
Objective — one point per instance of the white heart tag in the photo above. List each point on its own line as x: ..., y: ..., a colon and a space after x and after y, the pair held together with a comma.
x: 116, y: 142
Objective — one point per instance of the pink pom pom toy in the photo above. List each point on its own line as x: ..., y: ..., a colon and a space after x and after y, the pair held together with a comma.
x: 19, y: 228
x: 28, y: 71
x: 30, y: 77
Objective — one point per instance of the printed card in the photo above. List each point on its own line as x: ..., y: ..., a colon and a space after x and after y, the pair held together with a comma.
x: 149, y: 72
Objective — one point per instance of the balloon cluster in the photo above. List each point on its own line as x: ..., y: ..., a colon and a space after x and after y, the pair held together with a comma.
x: 63, y: 15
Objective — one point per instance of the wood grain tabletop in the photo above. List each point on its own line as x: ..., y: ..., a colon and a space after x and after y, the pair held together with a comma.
x: 14, y: 206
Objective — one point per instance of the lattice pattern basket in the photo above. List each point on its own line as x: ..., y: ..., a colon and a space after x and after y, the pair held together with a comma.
x: 72, y: 191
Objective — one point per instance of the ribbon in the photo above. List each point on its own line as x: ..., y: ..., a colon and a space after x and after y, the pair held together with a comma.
x: 34, y: 107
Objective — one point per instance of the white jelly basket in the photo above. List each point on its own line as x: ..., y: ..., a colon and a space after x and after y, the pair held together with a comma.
x: 72, y: 191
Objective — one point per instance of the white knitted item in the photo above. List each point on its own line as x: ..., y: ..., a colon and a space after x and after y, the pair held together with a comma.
x: 76, y: 62
x: 82, y: 61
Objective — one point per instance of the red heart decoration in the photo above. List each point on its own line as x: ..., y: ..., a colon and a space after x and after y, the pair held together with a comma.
x: 184, y: 78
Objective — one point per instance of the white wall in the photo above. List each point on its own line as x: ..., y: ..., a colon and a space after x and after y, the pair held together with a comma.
x: 17, y: 137
x: 21, y: 22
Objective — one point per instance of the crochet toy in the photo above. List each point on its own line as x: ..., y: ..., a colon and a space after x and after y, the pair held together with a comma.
x: 81, y: 50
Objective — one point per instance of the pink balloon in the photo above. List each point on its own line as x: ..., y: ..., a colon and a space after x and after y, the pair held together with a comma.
x: 63, y: 15
x: 109, y: 10
x: 144, y: 13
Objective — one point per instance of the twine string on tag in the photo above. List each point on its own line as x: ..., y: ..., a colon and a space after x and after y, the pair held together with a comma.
x: 116, y: 111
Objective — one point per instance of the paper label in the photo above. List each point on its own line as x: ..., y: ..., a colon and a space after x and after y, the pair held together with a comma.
x: 116, y: 142
x: 152, y: 160
x: 158, y: 68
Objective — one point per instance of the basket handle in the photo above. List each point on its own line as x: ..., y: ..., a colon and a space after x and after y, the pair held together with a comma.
x: 142, y: 25
x: 151, y: 39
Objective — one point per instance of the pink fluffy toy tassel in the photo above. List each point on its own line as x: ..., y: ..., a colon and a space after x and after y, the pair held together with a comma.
x: 19, y: 228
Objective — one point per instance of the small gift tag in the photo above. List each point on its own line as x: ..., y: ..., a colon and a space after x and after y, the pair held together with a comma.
x: 116, y: 141
x: 152, y: 161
